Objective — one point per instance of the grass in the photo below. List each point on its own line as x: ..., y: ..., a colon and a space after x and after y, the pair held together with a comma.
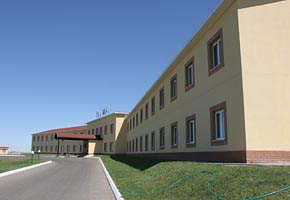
x: 144, y: 178
x: 11, y: 163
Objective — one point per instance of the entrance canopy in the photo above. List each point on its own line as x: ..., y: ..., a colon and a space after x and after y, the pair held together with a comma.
x: 72, y: 136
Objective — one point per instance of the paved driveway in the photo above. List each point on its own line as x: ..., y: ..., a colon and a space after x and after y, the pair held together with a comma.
x: 64, y: 179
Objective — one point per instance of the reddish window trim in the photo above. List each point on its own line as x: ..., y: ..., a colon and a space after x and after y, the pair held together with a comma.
x: 189, y: 63
x: 174, y: 77
x: 218, y: 35
x: 161, y: 106
x: 213, y: 110
x: 187, y: 119
x: 174, y: 146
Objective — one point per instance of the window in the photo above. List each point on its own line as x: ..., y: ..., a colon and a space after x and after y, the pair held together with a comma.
x: 127, y: 146
x: 74, y: 148
x: 46, y: 148
x: 68, y: 148
x: 89, y: 132
x: 133, y: 145
x: 161, y: 98
x: 189, y: 74
x: 93, y: 131
x: 162, y: 138
x: 174, y: 135
x: 215, y: 52
x: 97, y: 131
x: 218, y: 124
x: 41, y: 138
x: 37, y: 138
x: 130, y: 127
x: 101, y: 130
x: 153, y: 141
x: 136, y: 144
x: 141, y: 143
x: 51, y: 148
x: 46, y: 138
x: 33, y: 139
x: 173, y: 87
x: 141, y: 115
x: 146, y: 111
x: 153, y: 105
x: 106, y: 129
x: 51, y: 137
x: 137, y: 119
x: 133, y: 122
x: 32, y: 148
x: 146, y: 142
x: 112, y: 128
x: 190, y: 131
x: 105, y: 147
x: 130, y: 146
x: 41, y: 148
x: 111, y: 146
x: 55, y: 148
x: 81, y: 148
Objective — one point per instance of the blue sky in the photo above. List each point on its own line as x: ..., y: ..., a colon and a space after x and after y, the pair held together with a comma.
x: 62, y: 60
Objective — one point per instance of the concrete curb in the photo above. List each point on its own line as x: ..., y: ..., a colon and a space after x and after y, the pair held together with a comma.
x: 113, y: 186
x: 23, y: 169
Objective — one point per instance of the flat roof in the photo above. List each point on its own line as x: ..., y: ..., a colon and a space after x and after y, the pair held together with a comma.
x: 114, y: 113
x: 75, y: 128
x: 4, y: 147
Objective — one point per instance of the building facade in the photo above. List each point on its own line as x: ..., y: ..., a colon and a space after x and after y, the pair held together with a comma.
x: 225, y: 96
x: 112, y: 130
x: 4, y: 151
x: 47, y: 142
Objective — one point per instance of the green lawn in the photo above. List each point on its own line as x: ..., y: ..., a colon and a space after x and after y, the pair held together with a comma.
x: 10, y: 163
x: 140, y: 178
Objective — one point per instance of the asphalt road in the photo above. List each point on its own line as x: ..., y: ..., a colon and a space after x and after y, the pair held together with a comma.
x: 64, y: 179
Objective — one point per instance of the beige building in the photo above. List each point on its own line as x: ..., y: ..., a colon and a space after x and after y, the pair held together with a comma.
x: 225, y: 97
x: 4, y: 151
x: 73, y: 140
x: 112, y: 130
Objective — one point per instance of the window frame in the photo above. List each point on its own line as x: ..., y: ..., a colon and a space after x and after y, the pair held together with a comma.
x: 174, y: 135
x: 162, y: 138
x: 161, y: 98
x: 173, y: 88
x: 153, y: 139
x: 213, y: 110
x: 141, y: 115
x: 218, y: 36
x: 146, y: 111
x: 187, y: 122
x: 189, y: 64
x: 153, y: 107
x: 146, y: 144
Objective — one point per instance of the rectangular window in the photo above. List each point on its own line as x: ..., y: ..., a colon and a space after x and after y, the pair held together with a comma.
x: 173, y: 87
x: 41, y: 138
x: 141, y: 143
x: 153, y: 141
x: 112, y: 128
x: 33, y: 139
x: 46, y: 138
x: 146, y: 142
x: 51, y: 148
x: 127, y: 146
x: 162, y: 138
x: 136, y: 144
x: 68, y: 148
x: 101, y: 130
x: 146, y: 111
x: 111, y: 146
x: 74, y: 148
x: 130, y: 125
x: 37, y: 138
x: 190, y: 131
x: 55, y: 148
x: 97, y: 131
x: 105, y: 147
x: 174, y: 135
x: 130, y: 146
x: 133, y: 145
x: 93, y: 131
x: 218, y: 124
x: 81, y: 148
x: 141, y: 115
x: 137, y: 119
x: 89, y: 132
x: 189, y: 74
x: 134, y: 122
x: 215, y: 52
x: 153, y: 105
x: 106, y: 129
x: 161, y: 98
x: 51, y: 137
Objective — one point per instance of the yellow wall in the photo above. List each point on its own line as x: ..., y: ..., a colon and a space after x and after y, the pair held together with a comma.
x: 3, y: 152
x: 224, y: 85
x: 118, y: 142
x: 264, y: 34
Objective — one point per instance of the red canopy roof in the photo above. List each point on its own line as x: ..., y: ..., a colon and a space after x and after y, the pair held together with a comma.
x: 76, y: 128
x: 72, y: 136
x: 4, y: 148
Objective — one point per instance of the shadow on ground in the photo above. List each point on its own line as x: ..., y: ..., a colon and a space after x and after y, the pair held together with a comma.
x: 139, y: 163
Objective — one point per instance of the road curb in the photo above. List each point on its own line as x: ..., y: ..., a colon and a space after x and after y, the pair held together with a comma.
x: 112, y: 184
x: 23, y: 169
